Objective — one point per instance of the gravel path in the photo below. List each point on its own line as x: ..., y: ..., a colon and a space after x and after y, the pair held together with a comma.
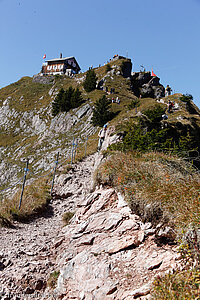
x: 28, y: 252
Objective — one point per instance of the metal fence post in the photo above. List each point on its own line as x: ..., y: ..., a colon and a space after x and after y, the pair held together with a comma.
x: 86, y: 146
x: 25, y: 173
x: 76, y: 145
x: 54, y: 174
x: 72, y: 151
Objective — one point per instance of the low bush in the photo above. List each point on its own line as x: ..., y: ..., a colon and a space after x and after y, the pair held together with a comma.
x: 144, y: 135
x: 108, y: 68
x: 186, y: 98
x: 67, y: 216
x: 155, y: 114
x: 134, y: 103
x: 51, y: 282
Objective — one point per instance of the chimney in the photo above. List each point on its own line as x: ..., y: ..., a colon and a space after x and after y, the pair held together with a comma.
x: 60, y: 55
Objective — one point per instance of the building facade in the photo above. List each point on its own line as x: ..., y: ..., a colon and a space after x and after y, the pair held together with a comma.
x: 62, y: 65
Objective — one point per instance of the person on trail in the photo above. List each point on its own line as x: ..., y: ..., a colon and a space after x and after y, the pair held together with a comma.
x: 168, y: 91
x: 169, y: 105
x: 102, y: 134
x: 164, y: 116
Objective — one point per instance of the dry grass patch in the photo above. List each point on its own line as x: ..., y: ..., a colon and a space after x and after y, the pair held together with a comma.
x: 35, y: 199
x: 67, y: 216
x: 180, y: 285
x: 161, y: 180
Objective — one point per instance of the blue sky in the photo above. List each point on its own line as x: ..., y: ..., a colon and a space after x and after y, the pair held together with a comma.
x: 163, y: 35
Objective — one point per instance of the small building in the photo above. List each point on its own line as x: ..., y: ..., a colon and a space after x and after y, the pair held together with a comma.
x: 62, y: 65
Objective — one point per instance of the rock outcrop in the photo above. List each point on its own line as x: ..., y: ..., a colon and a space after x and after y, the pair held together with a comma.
x: 47, y: 133
x: 145, y: 85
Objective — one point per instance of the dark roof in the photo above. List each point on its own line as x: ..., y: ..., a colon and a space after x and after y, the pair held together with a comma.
x: 59, y: 59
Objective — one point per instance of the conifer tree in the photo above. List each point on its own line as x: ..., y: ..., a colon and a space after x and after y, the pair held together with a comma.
x: 90, y: 81
x: 76, y: 98
x: 65, y: 100
x: 101, y: 113
x: 58, y: 103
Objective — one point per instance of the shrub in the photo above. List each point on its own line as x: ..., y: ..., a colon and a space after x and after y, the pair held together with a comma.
x: 108, y: 68
x: 155, y: 114
x: 186, y: 98
x: 101, y: 112
x: 134, y: 103
x: 90, y: 81
x: 67, y: 217
x: 53, y: 279
x: 138, y: 138
x: 150, y: 134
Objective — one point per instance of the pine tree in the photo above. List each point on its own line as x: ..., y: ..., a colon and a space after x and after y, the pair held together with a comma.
x: 101, y: 113
x: 76, y: 98
x: 90, y: 81
x: 58, y: 102
x: 65, y: 100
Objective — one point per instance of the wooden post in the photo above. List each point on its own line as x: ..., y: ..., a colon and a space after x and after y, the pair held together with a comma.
x: 25, y: 173
x: 86, y: 146
x: 54, y: 174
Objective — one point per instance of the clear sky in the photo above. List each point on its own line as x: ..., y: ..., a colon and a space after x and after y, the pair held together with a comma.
x: 163, y: 35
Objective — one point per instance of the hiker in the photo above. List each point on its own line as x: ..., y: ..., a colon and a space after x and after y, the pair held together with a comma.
x: 165, y: 116
x: 102, y: 134
x: 112, y: 90
x: 168, y: 91
x: 169, y: 105
x: 117, y: 100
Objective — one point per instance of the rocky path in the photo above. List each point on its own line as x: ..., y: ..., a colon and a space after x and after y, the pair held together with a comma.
x: 105, y: 252
x: 27, y: 252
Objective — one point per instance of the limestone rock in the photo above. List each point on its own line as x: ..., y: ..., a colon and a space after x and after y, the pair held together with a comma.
x: 82, y: 111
